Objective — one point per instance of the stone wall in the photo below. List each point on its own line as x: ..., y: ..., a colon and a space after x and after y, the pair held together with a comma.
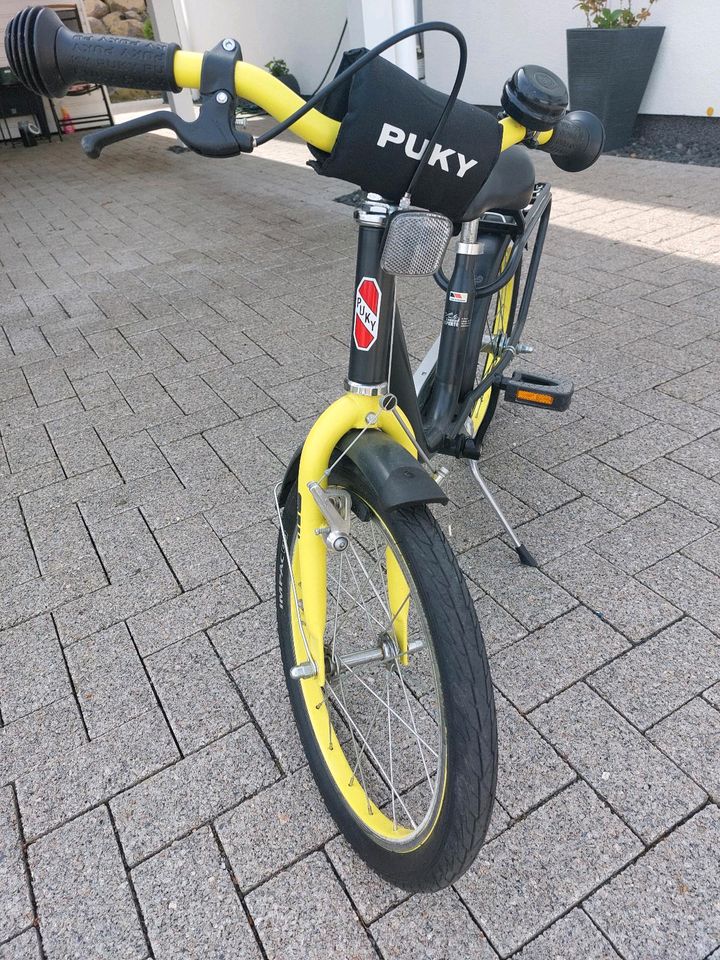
x: 123, y: 18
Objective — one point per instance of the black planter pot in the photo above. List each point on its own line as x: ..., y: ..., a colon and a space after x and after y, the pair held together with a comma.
x: 608, y: 72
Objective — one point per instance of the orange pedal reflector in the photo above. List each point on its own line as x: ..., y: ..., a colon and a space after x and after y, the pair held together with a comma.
x: 531, y: 397
x: 537, y: 389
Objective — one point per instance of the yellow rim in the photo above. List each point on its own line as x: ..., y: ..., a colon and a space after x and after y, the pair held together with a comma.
x: 500, y: 325
x: 348, y: 783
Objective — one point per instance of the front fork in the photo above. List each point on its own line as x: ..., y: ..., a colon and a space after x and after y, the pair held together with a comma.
x: 309, y: 560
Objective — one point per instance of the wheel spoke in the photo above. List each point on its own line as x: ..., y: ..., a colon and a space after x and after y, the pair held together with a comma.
x: 395, y: 714
x: 393, y: 744
x: 373, y: 757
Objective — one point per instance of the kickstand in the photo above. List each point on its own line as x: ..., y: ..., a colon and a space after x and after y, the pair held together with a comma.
x: 522, y: 551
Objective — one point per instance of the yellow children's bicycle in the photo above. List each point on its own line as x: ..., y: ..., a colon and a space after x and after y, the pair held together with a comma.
x: 383, y: 654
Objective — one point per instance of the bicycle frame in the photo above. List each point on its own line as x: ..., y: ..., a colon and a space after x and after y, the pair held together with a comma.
x: 422, y: 414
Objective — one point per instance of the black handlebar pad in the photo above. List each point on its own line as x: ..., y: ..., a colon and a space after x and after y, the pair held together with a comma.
x: 577, y: 141
x: 48, y: 58
x: 386, y: 121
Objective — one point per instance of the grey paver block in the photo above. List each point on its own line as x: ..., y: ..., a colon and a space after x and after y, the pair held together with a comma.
x: 691, y: 736
x: 689, y: 417
x: 197, y: 422
x: 199, y: 698
x: 136, y: 456
x: 543, y: 865
x: 568, y: 441
x: 428, y: 927
x: 619, y: 599
x: 274, y: 828
x: 192, y: 458
x: 125, y: 544
x: 652, y: 680
x: 546, y: 662
x: 665, y: 906
x: 27, y: 448
x: 243, y: 637
x: 198, y: 496
x: 556, y: 533
x: 693, y: 588
x: 48, y: 593
x: 73, y: 490
x: 371, y: 895
x: 647, y: 443
x: 114, y: 602
x: 289, y: 910
x: 702, y: 456
x: 198, y: 609
x: 84, y: 900
x: 29, y: 481
x: 194, y: 552
x: 236, y: 513
x: 684, y: 486
x: 254, y: 552
x: 526, y: 593
x: 192, y: 792
x: 651, y: 537
x: 706, y: 552
x: 572, y: 937
x: 262, y: 684
x: 60, y: 540
x: 32, y: 672
x: 695, y: 385
x: 80, y: 451
x: 134, y: 493
x: 34, y: 738
x: 614, y: 490
x: 24, y: 947
x: 111, y: 684
x: 189, y: 903
x: 529, y: 769
x: 17, y: 911
x: 640, y: 784
x: 76, y: 780
x: 712, y: 695
x: 499, y: 629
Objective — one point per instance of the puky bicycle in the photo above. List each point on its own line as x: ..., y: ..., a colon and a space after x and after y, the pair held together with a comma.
x: 383, y: 655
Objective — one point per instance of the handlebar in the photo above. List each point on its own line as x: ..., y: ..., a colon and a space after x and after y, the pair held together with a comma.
x: 577, y: 141
x: 48, y: 58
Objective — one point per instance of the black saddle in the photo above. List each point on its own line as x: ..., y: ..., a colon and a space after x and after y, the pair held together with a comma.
x: 509, y: 186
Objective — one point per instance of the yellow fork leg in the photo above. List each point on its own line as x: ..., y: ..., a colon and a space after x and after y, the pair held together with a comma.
x: 399, y: 598
x: 350, y: 412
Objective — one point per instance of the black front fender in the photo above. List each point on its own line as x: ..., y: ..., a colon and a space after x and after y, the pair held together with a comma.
x: 383, y: 467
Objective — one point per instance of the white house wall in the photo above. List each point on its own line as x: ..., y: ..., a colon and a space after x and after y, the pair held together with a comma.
x: 503, y: 35
x: 304, y: 33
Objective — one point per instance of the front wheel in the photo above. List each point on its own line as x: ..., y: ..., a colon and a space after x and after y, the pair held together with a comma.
x: 401, y: 737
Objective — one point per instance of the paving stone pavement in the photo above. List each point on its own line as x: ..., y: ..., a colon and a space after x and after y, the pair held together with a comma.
x: 170, y: 325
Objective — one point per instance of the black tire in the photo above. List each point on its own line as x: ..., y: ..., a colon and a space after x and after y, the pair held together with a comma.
x: 464, y: 810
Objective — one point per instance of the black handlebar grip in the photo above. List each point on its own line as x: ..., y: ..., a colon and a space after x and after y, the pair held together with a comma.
x: 48, y: 58
x: 577, y: 141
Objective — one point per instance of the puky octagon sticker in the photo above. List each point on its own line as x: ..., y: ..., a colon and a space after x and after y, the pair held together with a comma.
x: 367, y: 313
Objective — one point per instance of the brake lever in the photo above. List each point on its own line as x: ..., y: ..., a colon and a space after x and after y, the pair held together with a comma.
x: 212, y: 134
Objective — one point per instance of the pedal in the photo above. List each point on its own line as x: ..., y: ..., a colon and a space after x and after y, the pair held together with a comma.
x: 536, y: 390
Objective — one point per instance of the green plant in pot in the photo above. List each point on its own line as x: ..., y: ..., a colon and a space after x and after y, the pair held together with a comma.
x: 279, y: 69
x: 610, y: 62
